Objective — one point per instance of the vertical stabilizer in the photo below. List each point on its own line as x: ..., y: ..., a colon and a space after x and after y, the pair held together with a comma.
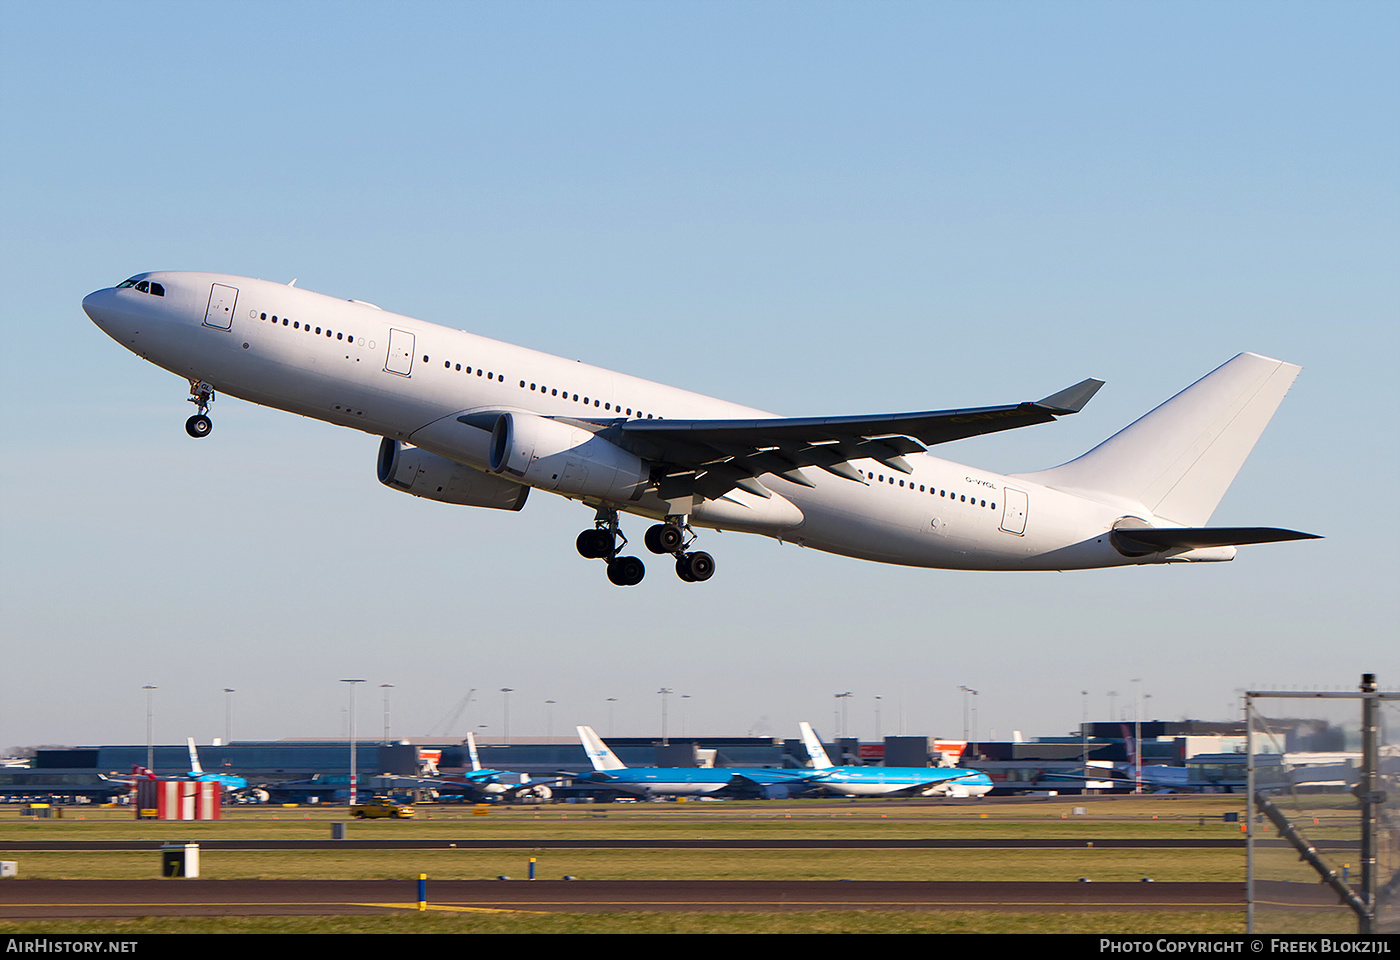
x: 195, y: 768
x: 815, y: 750
x: 1178, y: 460
x: 471, y: 750
x: 598, y: 752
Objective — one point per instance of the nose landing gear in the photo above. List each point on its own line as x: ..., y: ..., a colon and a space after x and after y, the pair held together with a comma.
x: 201, y: 395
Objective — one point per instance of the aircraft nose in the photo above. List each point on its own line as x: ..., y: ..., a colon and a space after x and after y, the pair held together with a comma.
x: 94, y: 305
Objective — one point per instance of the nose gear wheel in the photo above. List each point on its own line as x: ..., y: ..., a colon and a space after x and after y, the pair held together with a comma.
x: 201, y: 395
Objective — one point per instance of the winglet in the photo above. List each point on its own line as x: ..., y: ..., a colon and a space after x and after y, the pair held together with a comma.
x: 815, y: 750
x: 1071, y: 399
x: 598, y: 752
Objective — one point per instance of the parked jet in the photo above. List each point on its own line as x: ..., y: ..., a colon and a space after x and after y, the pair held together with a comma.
x: 609, y: 771
x: 890, y: 781
x: 232, y: 784
x: 468, y: 420
x: 500, y: 784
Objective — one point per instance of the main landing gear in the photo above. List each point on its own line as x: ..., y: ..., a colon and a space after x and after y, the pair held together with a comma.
x: 201, y: 395
x: 606, y: 539
x: 674, y: 537
x: 603, y: 543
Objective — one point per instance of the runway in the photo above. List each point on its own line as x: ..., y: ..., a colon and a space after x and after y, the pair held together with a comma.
x: 50, y: 899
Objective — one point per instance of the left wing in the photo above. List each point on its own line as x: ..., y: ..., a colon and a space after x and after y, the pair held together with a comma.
x: 711, y: 457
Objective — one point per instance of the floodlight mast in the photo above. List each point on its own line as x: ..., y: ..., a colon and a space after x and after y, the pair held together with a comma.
x: 150, y: 729
x: 353, y: 797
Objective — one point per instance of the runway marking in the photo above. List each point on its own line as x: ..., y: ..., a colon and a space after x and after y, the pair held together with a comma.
x: 451, y: 908
x: 651, y: 903
x: 853, y: 904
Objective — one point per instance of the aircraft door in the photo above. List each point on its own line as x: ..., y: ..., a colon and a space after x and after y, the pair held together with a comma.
x: 400, y: 359
x: 1015, y: 506
x: 221, y: 301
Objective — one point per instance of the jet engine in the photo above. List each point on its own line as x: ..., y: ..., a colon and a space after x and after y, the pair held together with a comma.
x: 556, y: 456
x: 427, y: 475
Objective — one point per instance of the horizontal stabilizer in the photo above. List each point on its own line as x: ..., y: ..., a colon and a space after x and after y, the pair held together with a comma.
x: 1144, y: 540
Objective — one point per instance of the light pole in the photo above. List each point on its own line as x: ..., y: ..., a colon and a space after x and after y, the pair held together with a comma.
x: 1137, y: 734
x: 548, y: 721
x: 665, y: 693
x: 352, y: 683
x: 228, y: 715
x: 386, y: 687
x: 1084, y: 728
x: 611, y: 701
x: 966, y: 692
x: 878, y: 736
x: 684, y: 729
x: 150, y: 728
x: 505, y: 706
x: 842, y: 698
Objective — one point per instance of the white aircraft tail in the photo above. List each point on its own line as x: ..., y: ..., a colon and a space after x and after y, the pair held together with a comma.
x: 598, y: 752
x: 194, y: 758
x: 1179, y: 459
x: 815, y: 750
x: 471, y: 750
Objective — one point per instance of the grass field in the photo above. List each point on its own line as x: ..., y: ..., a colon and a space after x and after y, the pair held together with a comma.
x: 1100, y: 865
x: 849, y: 921
x: 1164, y: 818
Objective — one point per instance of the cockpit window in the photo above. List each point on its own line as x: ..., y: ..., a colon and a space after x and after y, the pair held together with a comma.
x: 143, y: 286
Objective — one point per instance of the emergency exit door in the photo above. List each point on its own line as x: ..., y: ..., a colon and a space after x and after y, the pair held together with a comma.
x: 400, y: 359
x: 220, y: 311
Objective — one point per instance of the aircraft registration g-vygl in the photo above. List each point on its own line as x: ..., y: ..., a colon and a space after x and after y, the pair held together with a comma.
x: 468, y: 420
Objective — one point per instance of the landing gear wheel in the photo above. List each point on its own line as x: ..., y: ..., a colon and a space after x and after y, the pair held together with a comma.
x: 695, y: 567
x: 594, y: 544
x: 198, y: 426
x: 626, y: 571
x: 664, y: 538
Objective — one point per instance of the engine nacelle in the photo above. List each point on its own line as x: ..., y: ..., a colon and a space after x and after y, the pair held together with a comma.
x: 566, y: 459
x: 427, y: 475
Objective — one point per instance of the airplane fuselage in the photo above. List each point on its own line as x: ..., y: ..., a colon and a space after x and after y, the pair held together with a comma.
x: 920, y: 781
x: 355, y: 365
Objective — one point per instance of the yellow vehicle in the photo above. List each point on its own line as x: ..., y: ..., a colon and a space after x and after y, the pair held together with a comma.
x: 382, y: 807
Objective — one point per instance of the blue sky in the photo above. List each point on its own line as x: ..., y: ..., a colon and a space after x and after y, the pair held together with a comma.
x: 817, y: 208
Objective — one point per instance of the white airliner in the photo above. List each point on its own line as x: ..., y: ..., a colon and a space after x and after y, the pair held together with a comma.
x: 468, y: 420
